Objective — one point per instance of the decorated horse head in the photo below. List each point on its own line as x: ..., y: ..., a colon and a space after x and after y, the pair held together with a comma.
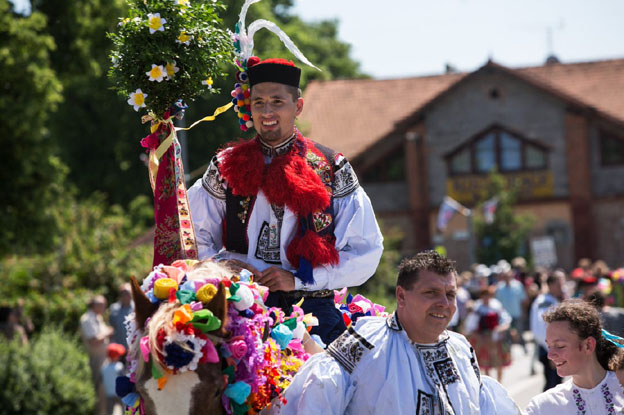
x: 201, y: 341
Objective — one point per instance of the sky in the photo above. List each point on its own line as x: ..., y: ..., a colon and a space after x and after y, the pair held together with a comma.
x: 402, y: 38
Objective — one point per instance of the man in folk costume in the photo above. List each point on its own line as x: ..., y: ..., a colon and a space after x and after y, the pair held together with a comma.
x: 407, y: 363
x: 286, y: 208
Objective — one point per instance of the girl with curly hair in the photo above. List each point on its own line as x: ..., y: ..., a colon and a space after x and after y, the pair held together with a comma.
x: 591, y: 356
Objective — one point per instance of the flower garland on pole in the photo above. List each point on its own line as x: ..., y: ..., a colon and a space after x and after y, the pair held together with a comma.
x: 166, y: 53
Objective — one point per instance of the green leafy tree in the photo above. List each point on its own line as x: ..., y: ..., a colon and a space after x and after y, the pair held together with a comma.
x: 49, y: 376
x: 97, y: 133
x: 506, y: 236
x: 31, y: 172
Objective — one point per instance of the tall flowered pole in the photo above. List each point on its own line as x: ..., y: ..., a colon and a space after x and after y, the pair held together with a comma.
x: 167, y: 52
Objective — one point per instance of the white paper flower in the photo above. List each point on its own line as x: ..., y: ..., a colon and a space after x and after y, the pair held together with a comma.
x: 156, y: 23
x: 208, y: 82
x: 137, y: 99
x: 157, y: 73
x: 183, y: 38
x: 196, y: 347
x: 171, y: 69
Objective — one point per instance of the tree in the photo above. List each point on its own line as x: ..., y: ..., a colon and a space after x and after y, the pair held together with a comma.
x: 98, y: 136
x: 505, y: 237
x: 31, y: 174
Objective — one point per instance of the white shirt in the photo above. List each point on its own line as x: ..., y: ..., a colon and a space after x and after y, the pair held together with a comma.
x: 542, y: 303
x: 563, y: 398
x: 375, y: 369
x: 358, y: 239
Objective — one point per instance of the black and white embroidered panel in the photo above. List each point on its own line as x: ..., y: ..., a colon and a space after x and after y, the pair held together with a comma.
x: 212, y: 180
x: 348, y: 349
x: 268, y: 247
x: 393, y: 322
x: 439, y: 365
x: 424, y: 403
x: 446, y: 370
x: 345, y: 180
x: 475, y: 366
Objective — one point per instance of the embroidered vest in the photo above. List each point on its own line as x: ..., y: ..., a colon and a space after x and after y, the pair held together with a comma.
x: 301, y: 179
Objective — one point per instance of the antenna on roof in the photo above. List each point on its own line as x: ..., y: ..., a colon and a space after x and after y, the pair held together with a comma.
x: 552, y: 58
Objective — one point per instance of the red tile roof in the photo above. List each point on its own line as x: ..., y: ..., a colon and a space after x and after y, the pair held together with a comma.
x: 351, y: 115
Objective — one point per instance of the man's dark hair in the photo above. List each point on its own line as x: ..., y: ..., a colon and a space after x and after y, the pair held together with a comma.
x: 409, y: 268
x: 294, y: 91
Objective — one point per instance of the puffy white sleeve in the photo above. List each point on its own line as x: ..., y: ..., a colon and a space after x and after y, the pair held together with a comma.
x: 207, y: 202
x: 320, y: 387
x: 358, y: 238
x: 494, y: 399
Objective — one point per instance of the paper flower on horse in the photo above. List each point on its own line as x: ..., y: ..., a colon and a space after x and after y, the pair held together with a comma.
x: 197, y: 317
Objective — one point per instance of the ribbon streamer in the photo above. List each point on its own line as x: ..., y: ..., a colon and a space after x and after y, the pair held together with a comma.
x: 612, y: 338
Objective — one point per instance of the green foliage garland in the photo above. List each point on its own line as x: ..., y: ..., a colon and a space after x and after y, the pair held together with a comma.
x: 191, y: 36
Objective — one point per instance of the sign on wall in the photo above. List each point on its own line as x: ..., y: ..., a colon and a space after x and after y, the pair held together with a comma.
x: 529, y: 185
x: 543, y: 251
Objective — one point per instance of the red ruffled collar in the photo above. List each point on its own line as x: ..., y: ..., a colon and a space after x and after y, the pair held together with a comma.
x: 287, y: 181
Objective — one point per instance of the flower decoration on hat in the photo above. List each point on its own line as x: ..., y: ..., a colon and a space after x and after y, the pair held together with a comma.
x: 242, y: 38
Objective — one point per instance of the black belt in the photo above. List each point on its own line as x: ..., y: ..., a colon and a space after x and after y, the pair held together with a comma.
x: 297, y: 294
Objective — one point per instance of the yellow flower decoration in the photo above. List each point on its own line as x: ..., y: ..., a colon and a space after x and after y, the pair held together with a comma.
x: 137, y: 99
x: 183, y: 38
x: 156, y: 23
x: 171, y: 69
x: 208, y: 82
x: 157, y: 73
x: 184, y: 3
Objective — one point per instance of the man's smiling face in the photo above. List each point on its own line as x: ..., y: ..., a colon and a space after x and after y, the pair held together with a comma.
x: 426, y: 308
x: 274, y: 110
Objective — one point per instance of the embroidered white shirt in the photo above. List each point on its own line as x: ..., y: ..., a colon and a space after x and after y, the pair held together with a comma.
x: 358, y: 238
x: 562, y: 400
x: 374, y: 368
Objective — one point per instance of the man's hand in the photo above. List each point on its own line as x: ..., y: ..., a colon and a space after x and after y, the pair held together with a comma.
x: 277, y: 279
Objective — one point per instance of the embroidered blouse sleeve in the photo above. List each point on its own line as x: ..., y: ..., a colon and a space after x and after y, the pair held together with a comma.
x: 358, y: 238
x: 207, y: 202
x: 320, y: 387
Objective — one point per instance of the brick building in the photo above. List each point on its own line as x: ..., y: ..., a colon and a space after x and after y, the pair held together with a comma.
x: 556, y: 131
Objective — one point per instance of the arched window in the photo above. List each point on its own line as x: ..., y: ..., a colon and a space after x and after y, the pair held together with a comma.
x: 497, y: 148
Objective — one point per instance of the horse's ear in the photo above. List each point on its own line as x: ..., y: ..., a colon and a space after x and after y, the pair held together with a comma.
x: 218, y: 306
x: 143, y: 307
